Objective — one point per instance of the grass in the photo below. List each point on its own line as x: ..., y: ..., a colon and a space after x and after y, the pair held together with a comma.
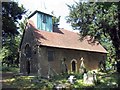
x: 105, y: 80
x: 28, y: 82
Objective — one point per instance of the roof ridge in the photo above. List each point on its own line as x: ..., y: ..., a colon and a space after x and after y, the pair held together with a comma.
x: 68, y: 30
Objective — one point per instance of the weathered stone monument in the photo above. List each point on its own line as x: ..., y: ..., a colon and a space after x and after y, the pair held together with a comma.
x: 71, y: 79
x: 89, y: 78
x: 82, y: 66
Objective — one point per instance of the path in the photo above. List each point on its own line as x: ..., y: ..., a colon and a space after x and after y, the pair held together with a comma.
x: 3, y: 80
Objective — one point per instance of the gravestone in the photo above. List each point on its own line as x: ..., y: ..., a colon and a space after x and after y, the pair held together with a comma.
x: 89, y: 78
x: 71, y: 79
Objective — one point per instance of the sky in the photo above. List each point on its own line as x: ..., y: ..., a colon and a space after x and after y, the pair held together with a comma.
x: 59, y: 8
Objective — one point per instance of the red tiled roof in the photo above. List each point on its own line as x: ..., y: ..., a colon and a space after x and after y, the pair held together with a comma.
x: 66, y: 39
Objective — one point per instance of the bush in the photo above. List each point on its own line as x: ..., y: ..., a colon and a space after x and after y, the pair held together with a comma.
x: 78, y: 76
x: 10, y: 69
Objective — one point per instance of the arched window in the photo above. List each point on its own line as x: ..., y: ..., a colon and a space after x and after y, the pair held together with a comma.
x: 73, y: 65
x: 28, y: 51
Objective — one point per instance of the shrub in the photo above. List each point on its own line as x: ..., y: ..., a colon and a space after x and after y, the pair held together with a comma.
x: 10, y: 69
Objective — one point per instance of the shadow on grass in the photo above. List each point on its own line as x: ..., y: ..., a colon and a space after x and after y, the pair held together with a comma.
x: 105, y: 80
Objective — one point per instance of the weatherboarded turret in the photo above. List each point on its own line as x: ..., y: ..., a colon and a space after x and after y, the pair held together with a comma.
x: 42, y: 21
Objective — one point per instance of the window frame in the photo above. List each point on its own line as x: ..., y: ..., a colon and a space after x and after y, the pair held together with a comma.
x: 44, y: 19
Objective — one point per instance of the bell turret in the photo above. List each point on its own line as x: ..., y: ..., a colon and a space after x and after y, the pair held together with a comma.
x: 42, y: 21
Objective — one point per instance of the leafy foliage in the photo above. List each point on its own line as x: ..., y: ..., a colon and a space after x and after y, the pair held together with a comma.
x: 10, y: 69
x: 55, y: 20
x: 94, y: 19
x: 10, y: 50
x: 11, y: 14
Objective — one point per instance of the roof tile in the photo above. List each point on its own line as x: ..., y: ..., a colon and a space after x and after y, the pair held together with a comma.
x: 62, y: 38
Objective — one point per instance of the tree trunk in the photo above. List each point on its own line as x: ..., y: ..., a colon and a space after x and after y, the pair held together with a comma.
x: 115, y: 37
x: 118, y: 60
x: 118, y: 42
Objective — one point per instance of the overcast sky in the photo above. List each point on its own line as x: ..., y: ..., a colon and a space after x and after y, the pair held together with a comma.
x: 58, y: 6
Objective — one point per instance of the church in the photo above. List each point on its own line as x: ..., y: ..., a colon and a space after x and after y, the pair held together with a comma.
x: 47, y: 50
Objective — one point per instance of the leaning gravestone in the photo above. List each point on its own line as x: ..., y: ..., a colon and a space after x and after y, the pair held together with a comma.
x: 71, y: 79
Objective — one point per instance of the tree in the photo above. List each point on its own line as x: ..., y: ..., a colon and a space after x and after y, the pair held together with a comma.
x: 11, y: 14
x: 100, y: 20
x: 55, y: 20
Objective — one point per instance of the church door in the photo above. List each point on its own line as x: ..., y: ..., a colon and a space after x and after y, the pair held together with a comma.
x: 28, y: 67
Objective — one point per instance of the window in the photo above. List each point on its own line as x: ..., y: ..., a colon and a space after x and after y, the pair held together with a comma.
x: 28, y: 51
x: 50, y: 55
x: 44, y: 18
x: 73, y: 65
